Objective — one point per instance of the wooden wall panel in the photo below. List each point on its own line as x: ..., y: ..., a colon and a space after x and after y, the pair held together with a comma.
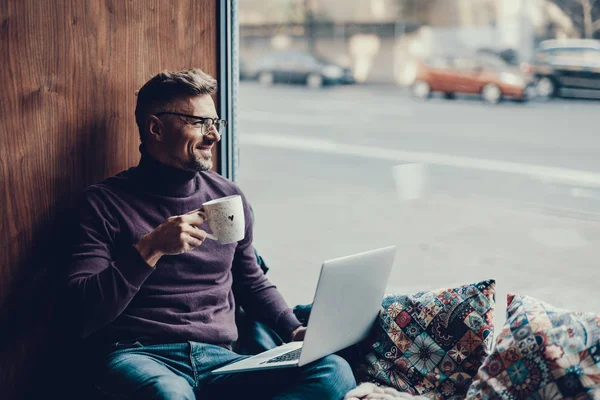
x: 70, y: 69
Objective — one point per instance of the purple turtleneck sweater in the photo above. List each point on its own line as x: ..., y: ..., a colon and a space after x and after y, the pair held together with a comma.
x: 187, y: 297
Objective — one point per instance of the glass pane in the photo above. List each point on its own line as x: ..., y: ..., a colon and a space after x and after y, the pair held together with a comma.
x: 439, y: 62
x: 465, y: 63
x: 491, y: 175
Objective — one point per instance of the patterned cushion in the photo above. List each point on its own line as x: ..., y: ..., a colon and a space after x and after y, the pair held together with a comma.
x: 430, y: 343
x: 543, y: 352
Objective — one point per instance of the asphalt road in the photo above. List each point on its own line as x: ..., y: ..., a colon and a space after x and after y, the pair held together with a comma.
x: 465, y: 190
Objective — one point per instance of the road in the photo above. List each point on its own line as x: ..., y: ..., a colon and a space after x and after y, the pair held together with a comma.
x: 465, y: 190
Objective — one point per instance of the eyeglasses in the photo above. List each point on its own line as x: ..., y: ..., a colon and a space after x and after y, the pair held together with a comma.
x: 205, y: 122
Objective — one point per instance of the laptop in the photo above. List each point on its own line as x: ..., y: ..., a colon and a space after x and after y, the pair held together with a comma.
x: 345, y: 307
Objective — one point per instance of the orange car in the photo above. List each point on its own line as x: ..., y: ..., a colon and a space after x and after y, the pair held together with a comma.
x: 483, y: 74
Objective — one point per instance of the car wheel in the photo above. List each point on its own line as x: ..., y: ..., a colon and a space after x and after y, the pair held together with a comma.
x: 314, y: 81
x: 545, y: 88
x: 450, y: 96
x: 528, y: 94
x: 421, y: 90
x: 491, y: 94
x: 266, y: 78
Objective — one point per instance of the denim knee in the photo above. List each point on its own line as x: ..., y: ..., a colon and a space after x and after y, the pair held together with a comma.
x: 336, y: 376
x: 170, y: 388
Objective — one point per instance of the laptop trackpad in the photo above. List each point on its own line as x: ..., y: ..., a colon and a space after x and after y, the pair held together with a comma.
x: 261, y: 361
x: 293, y: 355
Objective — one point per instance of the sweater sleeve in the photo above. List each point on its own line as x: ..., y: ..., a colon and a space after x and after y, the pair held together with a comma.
x: 101, y: 282
x: 254, y: 292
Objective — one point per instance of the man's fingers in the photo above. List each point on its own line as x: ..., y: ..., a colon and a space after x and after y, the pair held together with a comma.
x: 193, y: 241
x: 198, y: 211
x: 196, y: 218
x: 196, y: 233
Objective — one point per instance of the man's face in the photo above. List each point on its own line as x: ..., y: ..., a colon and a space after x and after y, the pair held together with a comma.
x: 183, y: 142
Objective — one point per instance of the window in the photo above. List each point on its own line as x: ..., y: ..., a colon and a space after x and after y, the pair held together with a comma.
x: 439, y: 62
x: 472, y: 177
x: 465, y: 64
x: 491, y: 61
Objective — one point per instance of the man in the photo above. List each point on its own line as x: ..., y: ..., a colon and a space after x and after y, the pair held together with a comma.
x: 157, y: 299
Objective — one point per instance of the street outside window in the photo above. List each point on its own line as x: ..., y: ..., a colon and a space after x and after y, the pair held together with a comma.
x: 465, y: 133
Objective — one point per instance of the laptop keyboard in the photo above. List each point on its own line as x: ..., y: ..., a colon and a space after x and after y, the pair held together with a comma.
x: 289, y: 356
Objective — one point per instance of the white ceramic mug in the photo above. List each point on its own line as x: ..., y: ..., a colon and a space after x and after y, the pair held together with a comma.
x: 225, y: 217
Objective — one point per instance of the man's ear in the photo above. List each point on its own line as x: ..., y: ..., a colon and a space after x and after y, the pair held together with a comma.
x: 155, y: 128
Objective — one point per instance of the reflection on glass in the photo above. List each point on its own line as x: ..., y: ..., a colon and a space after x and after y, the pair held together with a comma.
x: 465, y: 132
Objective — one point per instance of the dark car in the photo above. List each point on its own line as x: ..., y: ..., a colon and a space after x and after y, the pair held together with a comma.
x: 477, y: 74
x: 299, y: 67
x: 568, y: 68
x: 244, y: 73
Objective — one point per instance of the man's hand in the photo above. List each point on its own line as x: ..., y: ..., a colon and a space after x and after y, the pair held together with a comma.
x: 176, y: 235
x: 298, y: 334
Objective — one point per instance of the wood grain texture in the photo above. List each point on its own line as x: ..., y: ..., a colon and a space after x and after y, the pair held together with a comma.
x: 69, y: 76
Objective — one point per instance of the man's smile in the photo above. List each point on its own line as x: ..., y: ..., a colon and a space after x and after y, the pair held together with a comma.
x: 205, y: 150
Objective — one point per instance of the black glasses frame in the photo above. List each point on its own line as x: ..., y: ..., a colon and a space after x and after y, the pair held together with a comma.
x: 213, y: 121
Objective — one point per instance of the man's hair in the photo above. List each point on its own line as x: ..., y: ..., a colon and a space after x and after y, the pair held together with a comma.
x: 162, y: 89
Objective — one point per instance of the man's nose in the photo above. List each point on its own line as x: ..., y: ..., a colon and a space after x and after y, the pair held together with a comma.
x: 213, y: 134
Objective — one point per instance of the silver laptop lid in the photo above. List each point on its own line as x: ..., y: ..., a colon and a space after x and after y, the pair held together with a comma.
x: 347, y: 302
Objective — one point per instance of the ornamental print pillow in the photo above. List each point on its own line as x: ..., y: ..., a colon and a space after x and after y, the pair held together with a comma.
x: 543, y: 352
x: 430, y: 343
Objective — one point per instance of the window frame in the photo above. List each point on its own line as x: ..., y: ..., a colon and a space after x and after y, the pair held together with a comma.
x: 228, y: 82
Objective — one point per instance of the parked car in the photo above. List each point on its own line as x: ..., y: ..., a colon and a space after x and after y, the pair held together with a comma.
x: 480, y: 73
x: 569, y: 68
x: 244, y: 73
x: 299, y: 67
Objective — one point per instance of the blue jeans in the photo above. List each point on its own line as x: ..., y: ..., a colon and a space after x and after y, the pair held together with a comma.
x: 182, y: 371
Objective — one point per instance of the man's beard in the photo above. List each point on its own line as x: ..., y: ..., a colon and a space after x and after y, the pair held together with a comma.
x: 201, y: 164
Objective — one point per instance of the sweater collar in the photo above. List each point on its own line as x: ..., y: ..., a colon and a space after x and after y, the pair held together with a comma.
x: 164, y: 180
